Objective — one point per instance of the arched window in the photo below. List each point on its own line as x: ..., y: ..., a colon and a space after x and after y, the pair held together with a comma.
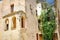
x: 22, y: 22
x: 14, y: 22
x: 7, y: 24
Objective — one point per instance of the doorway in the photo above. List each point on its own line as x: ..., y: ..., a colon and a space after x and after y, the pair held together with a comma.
x: 40, y: 37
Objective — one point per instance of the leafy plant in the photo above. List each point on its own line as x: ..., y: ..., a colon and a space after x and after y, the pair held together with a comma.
x: 47, y: 18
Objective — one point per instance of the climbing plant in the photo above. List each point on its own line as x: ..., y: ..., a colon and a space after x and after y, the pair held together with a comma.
x: 47, y: 20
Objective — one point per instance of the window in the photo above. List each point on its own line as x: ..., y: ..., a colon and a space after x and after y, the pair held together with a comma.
x: 7, y: 24
x: 31, y: 9
x: 13, y: 23
x: 22, y: 22
x: 12, y: 7
x: 36, y: 12
x: 39, y: 20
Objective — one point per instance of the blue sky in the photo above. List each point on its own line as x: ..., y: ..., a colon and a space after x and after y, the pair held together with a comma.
x: 50, y: 1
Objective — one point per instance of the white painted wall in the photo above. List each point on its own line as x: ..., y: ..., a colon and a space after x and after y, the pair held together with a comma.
x: 39, y: 8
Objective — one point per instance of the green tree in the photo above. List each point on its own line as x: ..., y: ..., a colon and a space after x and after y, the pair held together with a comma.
x: 47, y: 19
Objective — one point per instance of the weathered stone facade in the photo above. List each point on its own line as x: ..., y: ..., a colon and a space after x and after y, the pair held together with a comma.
x: 25, y: 8
x: 57, y: 6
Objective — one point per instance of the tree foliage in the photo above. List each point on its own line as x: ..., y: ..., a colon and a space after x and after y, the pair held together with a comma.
x: 47, y: 18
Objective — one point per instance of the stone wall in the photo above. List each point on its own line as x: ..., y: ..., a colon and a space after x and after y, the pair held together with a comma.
x: 31, y: 23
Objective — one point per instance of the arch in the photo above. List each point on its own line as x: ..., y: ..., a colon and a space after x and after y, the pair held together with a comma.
x: 14, y: 22
x: 6, y: 21
x: 7, y: 24
x: 22, y: 22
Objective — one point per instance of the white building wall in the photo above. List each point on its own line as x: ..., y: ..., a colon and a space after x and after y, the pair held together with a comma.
x: 39, y: 9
